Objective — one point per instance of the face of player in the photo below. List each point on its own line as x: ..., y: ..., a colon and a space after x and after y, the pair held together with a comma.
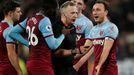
x: 16, y: 14
x: 99, y: 12
x: 80, y: 4
x: 71, y: 14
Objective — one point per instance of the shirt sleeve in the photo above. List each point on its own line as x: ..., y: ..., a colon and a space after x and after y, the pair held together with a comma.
x: 46, y: 30
x: 112, y: 32
x: 89, y: 26
x: 16, y: 31
x: 6, y: 35
x: 23, y: 24
x: 45, y: 27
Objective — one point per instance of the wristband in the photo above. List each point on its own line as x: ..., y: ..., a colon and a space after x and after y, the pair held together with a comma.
x: 73, y: 51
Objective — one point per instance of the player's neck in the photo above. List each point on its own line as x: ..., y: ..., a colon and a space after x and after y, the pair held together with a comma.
x: 105, y: 19
x: 80, y: 14
x: 8, y: 19
x: 64, y: 21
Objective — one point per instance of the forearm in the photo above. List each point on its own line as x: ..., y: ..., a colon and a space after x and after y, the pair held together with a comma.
x: 67, y: 52
x: 83, y: 60
x: 16, y: 34
x: 107, y: 47
x: 103, y: 58
x: 78, y: 56
x: 13, y: 57
x: 53, y: 42
x: 19, y: 38
x: 63, y: 52
x: 14, y: 61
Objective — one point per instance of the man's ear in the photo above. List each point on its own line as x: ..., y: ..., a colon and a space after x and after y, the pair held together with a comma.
x: 84, y: 7
x: 106, y: 12
x: 10, y: 13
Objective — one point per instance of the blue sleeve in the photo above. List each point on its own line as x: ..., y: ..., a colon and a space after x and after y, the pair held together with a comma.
x: 89, y: 26
x: 45, y: 27
x: 15, y: 33
x: 88, y: 37
x: 23, y: 24
x: 6, y: 35
x: 46, y: 30
x: 112, y: 32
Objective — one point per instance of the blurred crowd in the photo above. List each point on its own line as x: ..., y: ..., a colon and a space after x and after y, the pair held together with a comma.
x: 121, y: 13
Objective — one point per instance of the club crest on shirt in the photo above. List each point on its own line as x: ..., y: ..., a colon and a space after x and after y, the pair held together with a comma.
x: 34, y: 20
x: 101, y: 32
x: 48, y: 27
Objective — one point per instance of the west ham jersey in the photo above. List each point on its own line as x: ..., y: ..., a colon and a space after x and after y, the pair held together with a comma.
x: 5, y: 28
x: 101, y: 32
x: 83, y: 26
x: 38, y: 47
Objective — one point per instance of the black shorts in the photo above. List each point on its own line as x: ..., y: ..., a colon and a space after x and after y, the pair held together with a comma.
x: 66, y: 71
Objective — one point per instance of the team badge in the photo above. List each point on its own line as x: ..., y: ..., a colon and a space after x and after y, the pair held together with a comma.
x: 101, y: 32
x: 48, y: 28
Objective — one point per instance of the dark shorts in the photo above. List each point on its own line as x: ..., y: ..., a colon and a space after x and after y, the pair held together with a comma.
x: 83, y: 69
x: 7, y: 69
x: 66, y: 71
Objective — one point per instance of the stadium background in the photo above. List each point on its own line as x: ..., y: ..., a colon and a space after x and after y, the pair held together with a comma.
x: 121, y: 13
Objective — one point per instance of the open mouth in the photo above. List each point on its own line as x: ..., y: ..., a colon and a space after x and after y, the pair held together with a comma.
x: 73, y: 20
x: 96, y: 17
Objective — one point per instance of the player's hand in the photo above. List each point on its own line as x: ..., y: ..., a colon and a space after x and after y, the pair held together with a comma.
x: 66, y: 31
x: 83, y: 49
x: 97, y: 70
x: 20, y: 73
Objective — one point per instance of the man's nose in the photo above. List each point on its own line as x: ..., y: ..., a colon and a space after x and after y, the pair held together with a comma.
x: 75, y: 15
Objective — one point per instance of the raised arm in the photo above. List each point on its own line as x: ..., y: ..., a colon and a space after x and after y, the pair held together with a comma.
x: 15, y: 33
x: 46, y: 30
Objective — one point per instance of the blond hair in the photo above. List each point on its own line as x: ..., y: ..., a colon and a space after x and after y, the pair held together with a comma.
x: 65, y: 5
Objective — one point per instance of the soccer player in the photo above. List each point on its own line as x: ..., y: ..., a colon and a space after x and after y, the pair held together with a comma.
x: 9, y: 62
x: 41, y: 41
x: 83, y: 26
x: 103, y: 39
x: 63, y: 57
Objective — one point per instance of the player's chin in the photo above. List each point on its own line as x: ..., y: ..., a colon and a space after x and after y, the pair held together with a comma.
x: 97, y: 20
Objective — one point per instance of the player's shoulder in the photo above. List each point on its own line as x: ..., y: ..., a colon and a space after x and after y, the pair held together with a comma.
x: 86, y: 19
x: 45, y: 22
x: 111, y: 25
x: 4, y: 24
x: 45, y: 19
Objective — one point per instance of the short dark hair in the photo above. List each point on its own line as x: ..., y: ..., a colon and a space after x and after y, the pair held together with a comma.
x: 105, y: 3
x: 10, y: 6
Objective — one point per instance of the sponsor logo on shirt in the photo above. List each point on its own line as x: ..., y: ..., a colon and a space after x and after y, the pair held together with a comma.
x: 101, y: 32
x: 101, y: 42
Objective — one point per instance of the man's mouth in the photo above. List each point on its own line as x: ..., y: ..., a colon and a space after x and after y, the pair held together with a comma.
x: 73, y: 20
x: 96, y: 17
